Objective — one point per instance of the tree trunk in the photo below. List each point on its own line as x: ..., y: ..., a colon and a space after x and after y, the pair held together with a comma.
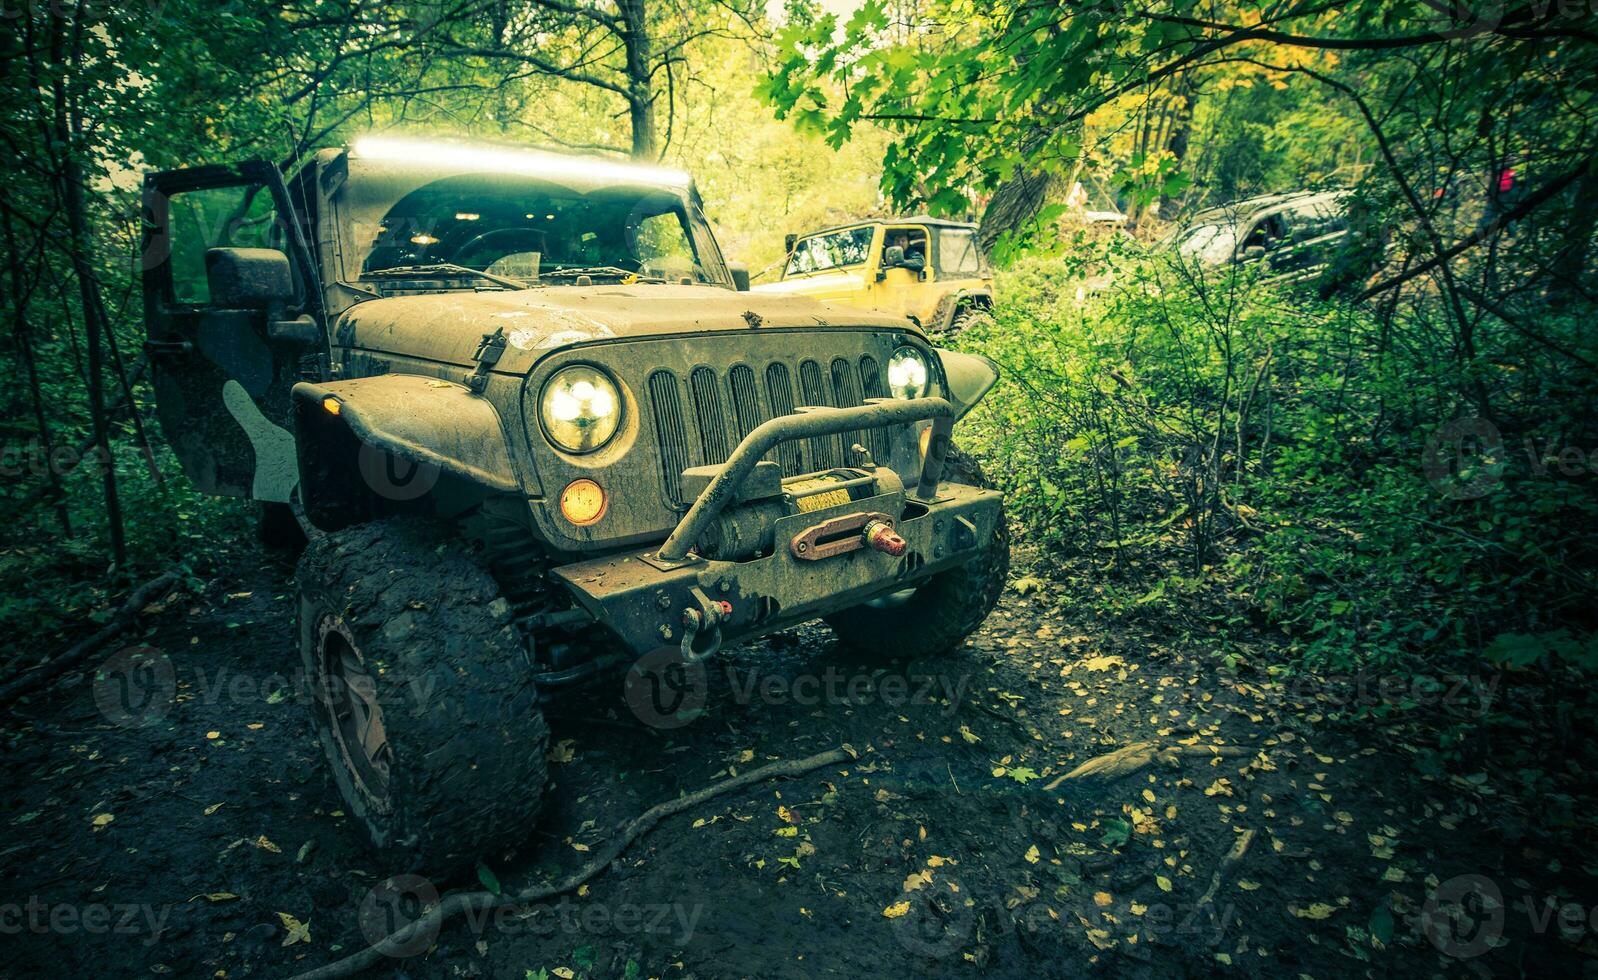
x: 640, y: 94
x: 69, y: 131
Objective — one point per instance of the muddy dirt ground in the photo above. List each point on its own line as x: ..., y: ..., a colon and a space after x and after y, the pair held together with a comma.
x: 198, y: 835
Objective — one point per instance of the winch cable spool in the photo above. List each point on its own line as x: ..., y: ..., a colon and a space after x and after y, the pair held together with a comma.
x: 820, y: 492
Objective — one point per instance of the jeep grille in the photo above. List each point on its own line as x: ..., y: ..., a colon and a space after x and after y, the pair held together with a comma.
x: 715, y: 430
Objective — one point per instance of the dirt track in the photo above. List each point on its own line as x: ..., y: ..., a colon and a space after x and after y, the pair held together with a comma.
x: 938, y: 853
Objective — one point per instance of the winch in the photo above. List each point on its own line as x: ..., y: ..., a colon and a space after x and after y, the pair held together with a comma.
x: 746, y: 529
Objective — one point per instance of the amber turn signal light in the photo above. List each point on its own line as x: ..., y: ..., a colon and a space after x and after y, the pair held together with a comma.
x: 583, y: 502
x: 332, y: 405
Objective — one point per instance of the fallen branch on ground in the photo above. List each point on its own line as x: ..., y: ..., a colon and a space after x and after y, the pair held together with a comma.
x: 481, y: 900
x: 1230, y: 861
x: 145, y: 594
x: 1130, y: 758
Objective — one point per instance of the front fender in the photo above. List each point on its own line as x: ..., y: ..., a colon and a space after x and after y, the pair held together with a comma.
x: 438, y: 425
x: 970, y: 376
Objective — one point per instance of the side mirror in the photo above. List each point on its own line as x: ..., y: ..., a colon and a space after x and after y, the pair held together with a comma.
x: 248, y: 278
x: 893, y: 256
x: 788, y: 243
x: 740, y: 276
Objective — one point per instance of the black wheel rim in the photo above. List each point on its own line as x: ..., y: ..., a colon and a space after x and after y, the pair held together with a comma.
x: 354, y: 713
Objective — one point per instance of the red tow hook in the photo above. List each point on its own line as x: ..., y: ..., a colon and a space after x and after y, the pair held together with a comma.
x: 880, y: 536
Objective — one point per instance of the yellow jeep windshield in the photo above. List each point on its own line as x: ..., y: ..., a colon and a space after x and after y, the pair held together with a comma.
x: 833, y: 250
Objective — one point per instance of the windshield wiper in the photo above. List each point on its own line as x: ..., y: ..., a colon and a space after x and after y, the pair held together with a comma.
x: 599, y: 270
x: 439, y: 269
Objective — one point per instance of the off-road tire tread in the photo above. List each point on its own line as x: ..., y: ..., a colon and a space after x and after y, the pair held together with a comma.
x: 469, y: 763
x: 945, y: 610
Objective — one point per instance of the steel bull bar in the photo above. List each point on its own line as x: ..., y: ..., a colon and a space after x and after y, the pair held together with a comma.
x: 672, y: 596
x: 809, y: 422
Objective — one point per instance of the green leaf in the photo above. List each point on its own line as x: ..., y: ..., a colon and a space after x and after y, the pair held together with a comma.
x: 1381, y: 925
x: 487, y: 878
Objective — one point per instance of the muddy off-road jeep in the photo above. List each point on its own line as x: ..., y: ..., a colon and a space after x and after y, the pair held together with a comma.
x: 536, y: 432
x: 928, y: 269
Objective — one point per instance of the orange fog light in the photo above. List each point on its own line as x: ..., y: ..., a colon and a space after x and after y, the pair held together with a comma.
x: 583, y: 502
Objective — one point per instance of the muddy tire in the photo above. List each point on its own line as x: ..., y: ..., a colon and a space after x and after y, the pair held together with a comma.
x: 965, y: 317
x: 420, y: 694
x: 278, y: 528
x: 944, y: 610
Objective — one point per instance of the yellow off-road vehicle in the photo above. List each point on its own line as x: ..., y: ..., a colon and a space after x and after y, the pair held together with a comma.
x: 927, y: 269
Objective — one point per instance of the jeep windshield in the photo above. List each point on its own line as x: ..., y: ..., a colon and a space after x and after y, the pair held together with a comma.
x: 477, y: 228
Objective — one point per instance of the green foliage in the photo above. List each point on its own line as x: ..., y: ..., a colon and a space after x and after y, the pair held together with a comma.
x: 1190, y: 437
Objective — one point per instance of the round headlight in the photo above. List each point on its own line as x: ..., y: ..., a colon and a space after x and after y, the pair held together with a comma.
x: 580, y: 408
x: 908, y: 374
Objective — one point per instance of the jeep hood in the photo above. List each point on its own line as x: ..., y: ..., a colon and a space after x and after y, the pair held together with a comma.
x: 448, y: 326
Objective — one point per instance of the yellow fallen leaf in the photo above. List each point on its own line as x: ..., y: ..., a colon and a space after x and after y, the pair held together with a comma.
x: 937, y: 862
x: 1317, y: 910
x: 564, y: 972
x: 101, y: 819
x: 220, y: 896
x: 266, y: 845
x: 294, y: 931
x: 1138, y: 908
x: 895, y: 910
x: 1163, y: 882
x: 747, y: 755
x: 786, y: 815
x: 968, y: 735
x: 1102, y: 899
x: 579, y: 847
x: 213, y: 734
x: 1032, y: 854
x: 1247, y: 885
x: 917, y: 880
x: 563, y: 752
x: 212, y: 808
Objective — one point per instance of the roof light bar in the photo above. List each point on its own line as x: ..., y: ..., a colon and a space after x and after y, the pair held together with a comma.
x: 516, y: 161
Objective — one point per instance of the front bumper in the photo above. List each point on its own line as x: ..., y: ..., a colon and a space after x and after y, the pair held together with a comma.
x: 644, y: 604
x: 671, y: 596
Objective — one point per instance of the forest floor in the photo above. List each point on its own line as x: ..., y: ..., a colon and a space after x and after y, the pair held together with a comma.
x: 203, y: 838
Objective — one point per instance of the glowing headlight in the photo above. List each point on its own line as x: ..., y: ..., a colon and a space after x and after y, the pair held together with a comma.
x: 907, y: 373
x: 580, y: 408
